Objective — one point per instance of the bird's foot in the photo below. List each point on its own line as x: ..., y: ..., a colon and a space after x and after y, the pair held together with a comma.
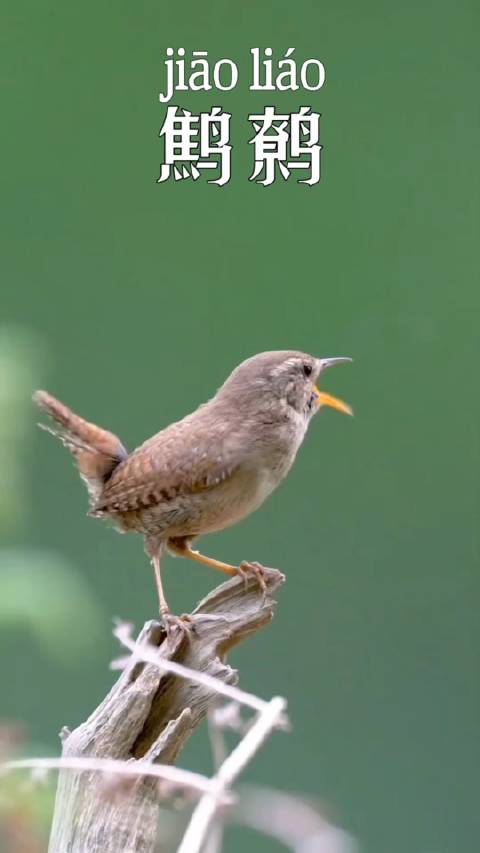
x: 174, y: 623
x: 257, y: 570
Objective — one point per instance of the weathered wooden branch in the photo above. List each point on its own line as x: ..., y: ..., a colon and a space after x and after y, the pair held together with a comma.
x: 147, y: 716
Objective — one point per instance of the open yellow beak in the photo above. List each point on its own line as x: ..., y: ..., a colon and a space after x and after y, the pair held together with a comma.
x: 324, y: 399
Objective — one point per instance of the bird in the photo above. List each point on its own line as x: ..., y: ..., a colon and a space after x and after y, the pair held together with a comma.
x: 207, y: 471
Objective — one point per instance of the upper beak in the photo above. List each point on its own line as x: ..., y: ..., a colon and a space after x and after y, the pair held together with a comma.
x: 329, y: 362
x: 324, y: 399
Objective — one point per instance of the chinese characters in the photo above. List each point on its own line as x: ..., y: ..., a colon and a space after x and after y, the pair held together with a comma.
x: 287, y: 142
x: 281, y: 143
x: 196, y: 143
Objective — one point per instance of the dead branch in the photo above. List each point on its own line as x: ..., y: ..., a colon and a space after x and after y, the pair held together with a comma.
x: 147, y: 717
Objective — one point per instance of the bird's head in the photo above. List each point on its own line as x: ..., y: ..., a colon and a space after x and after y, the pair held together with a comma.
x: 281, y: 379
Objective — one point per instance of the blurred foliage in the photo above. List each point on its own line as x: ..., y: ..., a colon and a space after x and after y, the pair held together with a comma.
x: 40, y: 591
x: 45, y: 594
x: 26, y: 800
x: 22, y: 364
x: 25, y: 813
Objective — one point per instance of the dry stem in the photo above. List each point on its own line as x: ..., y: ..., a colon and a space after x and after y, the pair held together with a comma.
x: 162, y: 695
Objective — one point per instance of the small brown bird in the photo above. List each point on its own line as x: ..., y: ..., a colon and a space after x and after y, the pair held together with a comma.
x: 207, y: 471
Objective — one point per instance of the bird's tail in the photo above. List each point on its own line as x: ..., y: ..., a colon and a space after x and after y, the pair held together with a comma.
x: 97, y: 452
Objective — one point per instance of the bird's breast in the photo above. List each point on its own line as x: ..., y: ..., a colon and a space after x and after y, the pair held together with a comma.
x: 232, y: 500
x: 266, y: 459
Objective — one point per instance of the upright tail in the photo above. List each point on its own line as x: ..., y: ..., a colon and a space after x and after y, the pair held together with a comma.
x: 97, y: 452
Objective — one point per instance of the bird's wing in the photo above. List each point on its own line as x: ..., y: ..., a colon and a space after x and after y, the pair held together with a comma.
x: 178, y: 460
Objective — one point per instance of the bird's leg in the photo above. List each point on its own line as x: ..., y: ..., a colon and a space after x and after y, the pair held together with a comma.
x: 164, y: 608
x: 169, y: 620
x: 182, y: 548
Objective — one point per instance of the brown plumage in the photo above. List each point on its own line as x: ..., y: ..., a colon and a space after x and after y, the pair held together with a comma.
x: 96, y: 451
x: 206, y: 471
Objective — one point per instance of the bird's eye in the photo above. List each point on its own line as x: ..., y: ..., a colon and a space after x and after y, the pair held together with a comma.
x: 307, y: 370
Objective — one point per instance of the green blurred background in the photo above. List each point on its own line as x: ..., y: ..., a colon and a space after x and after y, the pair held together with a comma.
x: 132, y: 301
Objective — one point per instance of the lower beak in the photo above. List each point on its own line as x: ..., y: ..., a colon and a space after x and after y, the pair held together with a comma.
x: 324, y: 399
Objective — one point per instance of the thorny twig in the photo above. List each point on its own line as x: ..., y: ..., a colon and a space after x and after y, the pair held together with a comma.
x: 147, y: 716
x: 294, y: 821
x: 202, y: 817
x: 271, y: 715
x: 215, y: 791
x: 218, y: 748
x: 141, y: 652
x: 166, y: 772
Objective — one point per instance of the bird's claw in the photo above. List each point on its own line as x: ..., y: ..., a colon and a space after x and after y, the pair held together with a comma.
x: 180, y: 623
x: 258, y: 571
